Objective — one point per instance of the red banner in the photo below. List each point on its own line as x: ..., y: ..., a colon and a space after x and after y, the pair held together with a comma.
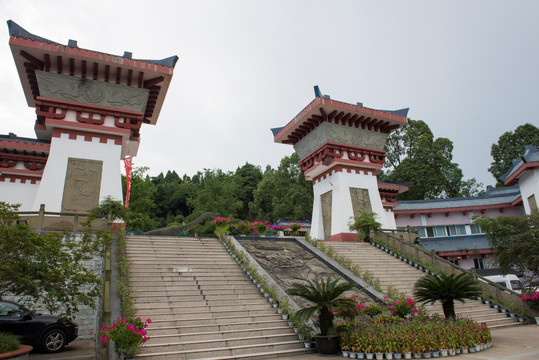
x: 128, y: 162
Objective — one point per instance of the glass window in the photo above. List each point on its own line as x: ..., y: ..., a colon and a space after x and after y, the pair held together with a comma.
x: 516, y: 285
x: 476, y: 229
x: 479, y: 263
x: 439, y: 231
x: 430, y: 232
x: 422, y: 233
x: 455, y: 261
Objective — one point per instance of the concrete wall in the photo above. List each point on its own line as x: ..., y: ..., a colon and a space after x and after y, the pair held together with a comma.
x: 51, y: 188
x: 340, y: 183
x: 529, y: 185
x: 19, y: 192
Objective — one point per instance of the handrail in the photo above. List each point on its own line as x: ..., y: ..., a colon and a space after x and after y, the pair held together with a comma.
x: 496, y: 291
x: 39, y: 225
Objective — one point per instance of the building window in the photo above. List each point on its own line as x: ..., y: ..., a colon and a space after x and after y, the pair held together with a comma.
x: 456, y: 230
x: 455, y: 261
x: 479, y: 263
x: 421, y: 232
x: 476, y: 229
x: 439, y: 231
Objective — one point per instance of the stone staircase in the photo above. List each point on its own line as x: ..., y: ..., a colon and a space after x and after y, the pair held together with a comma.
x: 391, y: 271
x: 201, y: 304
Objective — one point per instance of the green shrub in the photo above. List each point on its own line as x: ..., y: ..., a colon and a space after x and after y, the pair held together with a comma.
x: 8, y: 342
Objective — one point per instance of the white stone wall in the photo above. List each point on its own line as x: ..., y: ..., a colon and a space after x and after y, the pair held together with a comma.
x: 19, y: 192
x: 529, y: 185
x: 340, y: 183
x: 51, y: 188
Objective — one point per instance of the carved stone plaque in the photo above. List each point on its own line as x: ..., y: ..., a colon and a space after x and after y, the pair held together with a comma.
x: 93, y: 92
x: 340, y: 134
x: 82, y: 184
x: 326, y: 199
x: 360, y: 200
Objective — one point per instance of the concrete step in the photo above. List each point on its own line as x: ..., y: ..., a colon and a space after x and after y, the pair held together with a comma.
x: 267, y: 351
x: 390, y: 271
x: 231, y: 325
x: 221, y: 335
x: 172, y: 321
x: 189, y: 315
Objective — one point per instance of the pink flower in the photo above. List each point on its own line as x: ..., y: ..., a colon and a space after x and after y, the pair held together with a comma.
x: 104, y: 339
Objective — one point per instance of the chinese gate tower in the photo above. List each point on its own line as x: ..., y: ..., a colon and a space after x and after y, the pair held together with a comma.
x: 341, y: 147
x: 89, y: 110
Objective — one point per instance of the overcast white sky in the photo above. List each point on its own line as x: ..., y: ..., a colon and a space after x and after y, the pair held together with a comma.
x: 469, y: 69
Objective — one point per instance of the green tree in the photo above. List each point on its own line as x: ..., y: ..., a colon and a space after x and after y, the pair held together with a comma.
x: 284, y: 193
x: 516, y: 242
x: 141, y: 208
x: 446, y: 288
x: 509, y: 147
x: 324, y: 294
x: 247, y: 178
x: 48, y: 268
x: 415, y: 157
x: 217, y: 193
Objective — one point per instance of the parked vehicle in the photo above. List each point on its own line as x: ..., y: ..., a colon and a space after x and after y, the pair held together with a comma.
x: 46, y: 332
x: 509, y: 281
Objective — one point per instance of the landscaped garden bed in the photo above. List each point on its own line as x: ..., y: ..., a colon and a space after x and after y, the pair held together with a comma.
x: 398, y: 330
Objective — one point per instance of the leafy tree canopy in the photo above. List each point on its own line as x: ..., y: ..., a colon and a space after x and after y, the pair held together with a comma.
x: 515, y: 240
x: 415, y: 157
x: 47, y: 268
x: 509, y: 147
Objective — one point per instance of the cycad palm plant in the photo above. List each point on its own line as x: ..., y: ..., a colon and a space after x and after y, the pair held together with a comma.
x: 446, y: 289
x: 325, y: 296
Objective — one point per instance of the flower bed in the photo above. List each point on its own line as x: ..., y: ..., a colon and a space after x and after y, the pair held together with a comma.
x: 417, y: 334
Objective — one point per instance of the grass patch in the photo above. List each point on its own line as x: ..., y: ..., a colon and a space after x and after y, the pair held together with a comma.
x: 8, y: 342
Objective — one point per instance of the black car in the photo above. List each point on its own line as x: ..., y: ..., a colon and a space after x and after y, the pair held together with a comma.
x: 46, y: 332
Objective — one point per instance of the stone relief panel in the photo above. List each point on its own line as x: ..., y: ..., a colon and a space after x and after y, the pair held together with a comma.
x: 63, y: 87
x: 288, y: 263
x: 360, y: 200
x: 355, y: 136
x: 326, y: 200
x: 312, y: 141
x: 82, y: 184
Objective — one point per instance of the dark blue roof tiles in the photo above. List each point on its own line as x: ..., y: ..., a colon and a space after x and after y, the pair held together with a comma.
x: 13, y: 137
x: 531, y: 154
x: 456, y: 243
x: 493, y: 196
x: 18, y: 31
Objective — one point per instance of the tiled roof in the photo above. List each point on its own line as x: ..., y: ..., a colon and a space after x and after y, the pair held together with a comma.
x: 531, y: 155
x: 493, y: 196
x: 18, y: 31
x: 13, y: 137
x: 456, y: 243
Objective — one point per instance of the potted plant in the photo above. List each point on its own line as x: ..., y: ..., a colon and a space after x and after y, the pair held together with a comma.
x: 324, y: 294
x: 128, y: 335
x: 363, y: 224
